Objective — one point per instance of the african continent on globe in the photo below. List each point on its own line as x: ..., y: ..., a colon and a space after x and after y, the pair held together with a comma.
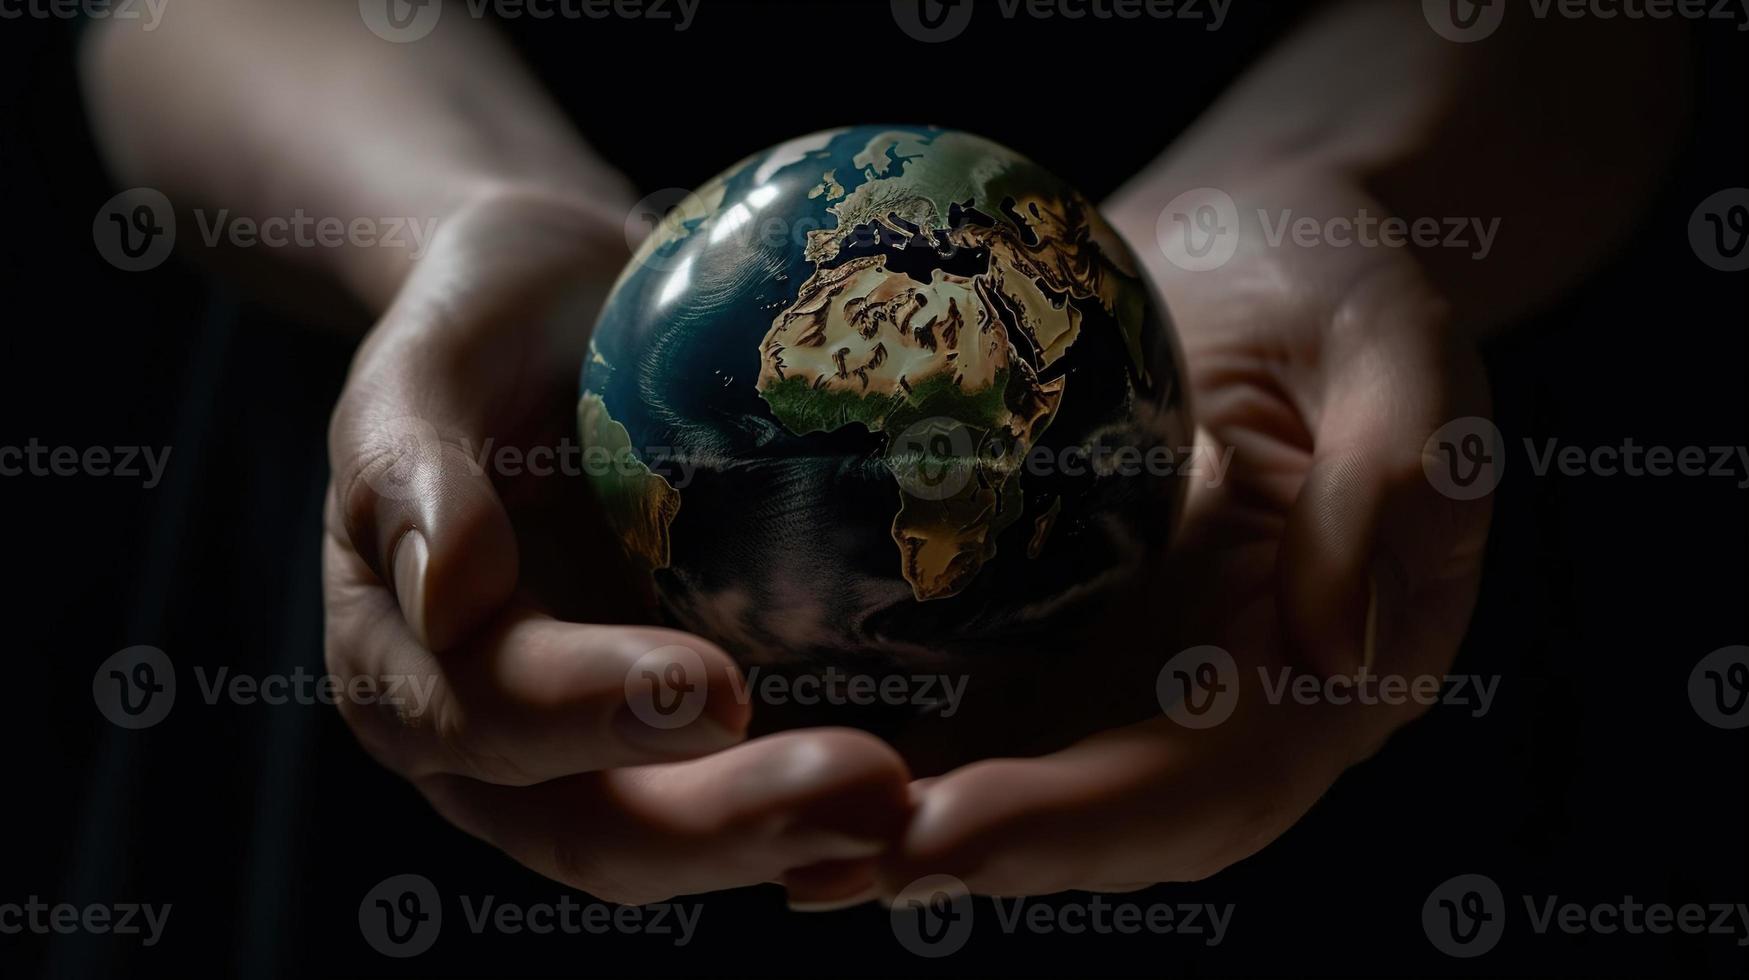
x: 884, y: 394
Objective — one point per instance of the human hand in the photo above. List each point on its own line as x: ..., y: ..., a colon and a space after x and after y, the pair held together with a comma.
x: 499, y: 588
x: 1324, y: 370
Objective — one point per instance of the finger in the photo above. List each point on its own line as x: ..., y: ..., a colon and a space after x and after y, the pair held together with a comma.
x: 462, y: 353
x: 831, y: 885
x: 415, y: 504
x: 744, y: 816
x: 1371, y: 547
x: 527, y: 698
x: 1127, y: 807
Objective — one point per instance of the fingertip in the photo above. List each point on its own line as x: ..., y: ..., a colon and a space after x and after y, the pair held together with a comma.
x: 683, y: 695
x: 471, y: 565
x: 950, y: 831
x: 850, y: 781
x: 828, y: 785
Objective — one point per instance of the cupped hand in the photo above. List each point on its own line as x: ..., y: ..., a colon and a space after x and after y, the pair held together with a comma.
x: 1325, y: 549
x: 463, y: 563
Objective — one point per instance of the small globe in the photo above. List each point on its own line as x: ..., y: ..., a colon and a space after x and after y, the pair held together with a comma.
x: 881, y: 396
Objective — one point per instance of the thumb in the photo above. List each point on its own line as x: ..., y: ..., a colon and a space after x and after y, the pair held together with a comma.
x: 1379, y: 563
x: 417, y: 506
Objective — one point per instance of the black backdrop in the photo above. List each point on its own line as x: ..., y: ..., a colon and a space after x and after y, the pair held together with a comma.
x: 1592, y: 778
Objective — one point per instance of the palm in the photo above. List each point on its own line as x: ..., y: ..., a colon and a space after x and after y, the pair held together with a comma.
x: 1323, y: 371
x: 485, y: 576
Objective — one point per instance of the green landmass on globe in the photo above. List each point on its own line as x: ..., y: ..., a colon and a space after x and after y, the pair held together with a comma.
x: 929, y: 306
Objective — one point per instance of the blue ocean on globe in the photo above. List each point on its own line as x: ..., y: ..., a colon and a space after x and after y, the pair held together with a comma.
x: 876, y: 396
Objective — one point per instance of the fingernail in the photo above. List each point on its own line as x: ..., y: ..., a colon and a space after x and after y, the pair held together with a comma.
x: 412, y: 555
x: 865, y: 896
x: 697, y: 737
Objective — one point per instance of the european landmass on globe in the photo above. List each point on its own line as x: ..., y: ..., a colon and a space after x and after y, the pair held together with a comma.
x: 928, y: 304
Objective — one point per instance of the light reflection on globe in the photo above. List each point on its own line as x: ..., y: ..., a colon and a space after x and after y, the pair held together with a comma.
x: 872, y: 394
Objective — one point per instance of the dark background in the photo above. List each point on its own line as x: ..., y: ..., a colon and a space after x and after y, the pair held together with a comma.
x: 1592, y: 778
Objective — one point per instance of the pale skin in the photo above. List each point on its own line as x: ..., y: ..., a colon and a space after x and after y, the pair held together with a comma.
x: 1323, y: 369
